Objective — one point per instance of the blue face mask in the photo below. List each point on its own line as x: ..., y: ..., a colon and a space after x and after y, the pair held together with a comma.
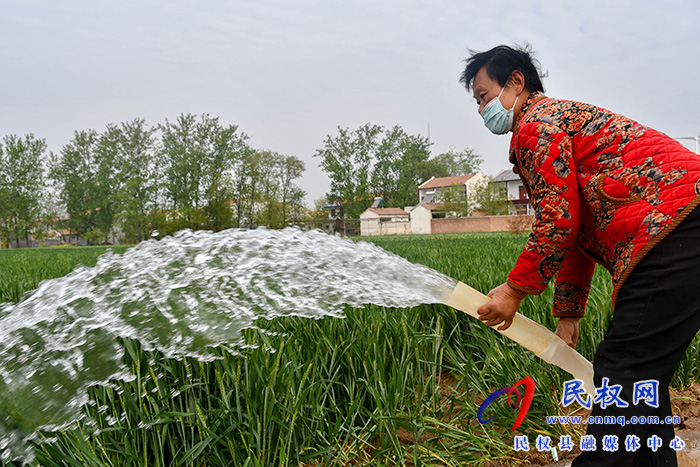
x: 496, y: 117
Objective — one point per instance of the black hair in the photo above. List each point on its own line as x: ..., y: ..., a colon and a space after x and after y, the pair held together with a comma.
x: 500, y: 63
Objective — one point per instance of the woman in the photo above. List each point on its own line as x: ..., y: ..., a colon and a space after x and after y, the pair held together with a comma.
x: 605, y: 189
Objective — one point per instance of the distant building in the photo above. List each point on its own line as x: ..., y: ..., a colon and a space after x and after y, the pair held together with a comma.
x: 430, y: 216
x: 334, y: 210
x: 421, y: 217
x: 430, y: 192
x: 515, y: 191
x: 385, y: 221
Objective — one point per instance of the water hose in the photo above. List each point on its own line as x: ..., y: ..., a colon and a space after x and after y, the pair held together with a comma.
x: 531, y: 335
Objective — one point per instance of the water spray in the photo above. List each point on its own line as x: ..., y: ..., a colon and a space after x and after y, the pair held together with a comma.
x: 184, y: 294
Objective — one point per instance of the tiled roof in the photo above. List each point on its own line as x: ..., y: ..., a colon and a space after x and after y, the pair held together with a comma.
x: 389, y: 211
x: 505, y: 176
x: 445, y: 181
x: 433, y: 206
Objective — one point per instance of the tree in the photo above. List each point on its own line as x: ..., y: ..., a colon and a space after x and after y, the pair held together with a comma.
x: 492, y: 199
x: 373, y: 161
x: 49, y: 219
x: 249, y: 189
x: 455, y: 202
x: 453, y: 163
x: 268, y: 189
x: 278, y: 197
x: 138, y: 174
x: 21, y: 185
x: 5, y: 201
x: 223, y: 147
x: 239, y: 187
x: 252, y: 187
x: 181, y: 167
x: 74, y: 171
x: 265, y: 190
x: 108, y: 183
x: 398, y: 168
x: 291, y: 168
x: 347, y: 159
x: 199, y: 160
x: 88, y: 175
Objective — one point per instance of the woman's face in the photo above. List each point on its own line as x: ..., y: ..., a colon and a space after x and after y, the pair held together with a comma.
x: 485, y: 88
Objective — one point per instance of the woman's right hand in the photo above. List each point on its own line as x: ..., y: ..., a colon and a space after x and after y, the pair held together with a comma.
x: 567, y: 329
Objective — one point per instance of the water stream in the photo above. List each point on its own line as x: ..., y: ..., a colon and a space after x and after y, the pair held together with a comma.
x: 180, y: 295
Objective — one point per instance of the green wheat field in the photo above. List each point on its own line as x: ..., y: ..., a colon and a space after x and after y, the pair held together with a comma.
x: 382, y: 386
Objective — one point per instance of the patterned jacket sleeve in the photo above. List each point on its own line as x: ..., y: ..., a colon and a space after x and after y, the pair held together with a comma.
x: 573, y: 283
x: 544, y: 155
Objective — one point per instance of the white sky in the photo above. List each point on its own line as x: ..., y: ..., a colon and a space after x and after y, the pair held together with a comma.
x: 288, y: 73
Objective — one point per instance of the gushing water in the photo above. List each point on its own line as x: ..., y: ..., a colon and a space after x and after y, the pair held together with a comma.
x: 180, y: 295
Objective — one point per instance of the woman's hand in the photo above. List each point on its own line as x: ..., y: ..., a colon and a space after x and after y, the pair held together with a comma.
x: 502, y: 307
x: 567, y: 329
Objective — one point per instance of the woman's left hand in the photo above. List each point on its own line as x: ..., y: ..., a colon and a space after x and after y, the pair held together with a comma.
x: 504, y: 303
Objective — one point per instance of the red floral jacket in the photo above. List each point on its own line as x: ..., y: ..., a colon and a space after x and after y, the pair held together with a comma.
x: 605, y: 189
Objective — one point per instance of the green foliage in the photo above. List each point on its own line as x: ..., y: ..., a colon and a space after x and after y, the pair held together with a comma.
x: 108, y: 179
x: 81, y: 172
x: 21, y: 185
x: 198, y: 159
x: 193, y: 173
x: 266, y: 192
x: 346, y: 159
x: 491, y: 198
x: 138, y: 174
x: 455, y: 201
x: 373, y: 161
x: 454, y: 163
x: 215, y: 180
x: 291, y: 196
x: 399, y: 167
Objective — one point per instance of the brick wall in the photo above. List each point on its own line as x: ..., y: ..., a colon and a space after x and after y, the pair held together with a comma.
x: 481, y: 224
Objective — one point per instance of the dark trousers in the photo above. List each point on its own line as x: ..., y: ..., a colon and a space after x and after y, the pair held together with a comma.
x: 656, y: 317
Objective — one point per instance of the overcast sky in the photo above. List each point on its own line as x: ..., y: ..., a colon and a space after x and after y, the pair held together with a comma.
x: 288, y: 73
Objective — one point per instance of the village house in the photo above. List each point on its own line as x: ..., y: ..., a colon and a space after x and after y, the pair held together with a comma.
x: 433, y: 190
x: 515, y: 192
x: 421, y: 217
x: 417, y: 219
x: 385, y: 221
x: 434, y: 197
